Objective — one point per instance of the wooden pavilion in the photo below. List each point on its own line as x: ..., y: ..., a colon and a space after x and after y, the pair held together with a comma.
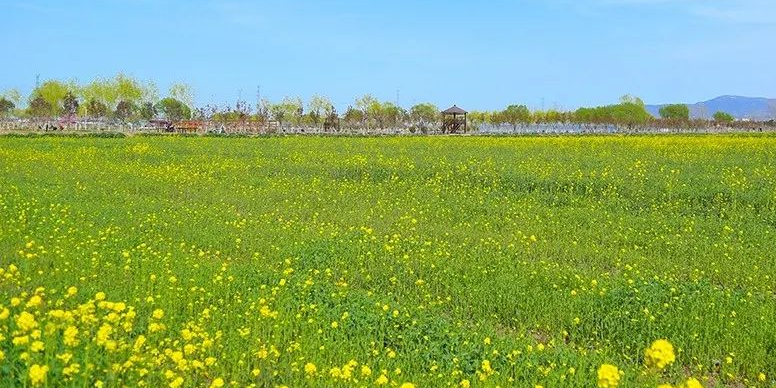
x: 453, y: 119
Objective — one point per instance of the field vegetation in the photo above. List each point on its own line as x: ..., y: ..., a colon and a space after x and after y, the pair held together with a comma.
x: 400, y: 262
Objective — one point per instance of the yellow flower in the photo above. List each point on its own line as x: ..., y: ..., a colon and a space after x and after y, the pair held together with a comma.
x: 177, y: 382
x: 34, y: 301
x: 365, y: 370
x: 381, y: 380
x: 37, y: 346
x: 158, y: 314
x: 38, y: 374
x: 608, y: 376
x: 407, y: 385
x: 659, y: 355
x: 71, y: 370
x: 99, y: 296
x: 217, y: 383
x: 692, y: 383
x: 665, y: 386
x: 2, y: 356
x: 310, y: 369
x: 334, y: 325
x: 760, y: 377
x: 72, y: 291
x: 465, y: 384
x: 70, y: 336
x: 26, y: 321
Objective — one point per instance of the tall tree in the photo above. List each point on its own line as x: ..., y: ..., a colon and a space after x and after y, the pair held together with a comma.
x: 70, y: 104
x: 96, y: 108
x: 318, y: 107
x: 148, y: 110
x: 125, y: 109
x: 516, y: 114
x: 12, y: 95
x: 174, y: 110
x: 6, y: 106
x: 39, y: 107
x: 54, y: 93
x: 675, y: 112
x: 424, y: 115
x: 182, y: 92
x: 723, y: 117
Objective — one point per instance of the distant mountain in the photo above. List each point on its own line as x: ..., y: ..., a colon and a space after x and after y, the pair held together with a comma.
x: 752, y: 108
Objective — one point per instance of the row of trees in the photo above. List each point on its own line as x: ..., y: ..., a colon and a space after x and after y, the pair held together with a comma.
x: 127, y: 99
x: 121, y: 97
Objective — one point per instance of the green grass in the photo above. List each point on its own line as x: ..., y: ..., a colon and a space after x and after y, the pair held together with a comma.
x: 562, y: 252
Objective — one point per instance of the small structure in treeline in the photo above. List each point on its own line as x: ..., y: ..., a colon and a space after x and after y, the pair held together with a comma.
x: 453, y: 119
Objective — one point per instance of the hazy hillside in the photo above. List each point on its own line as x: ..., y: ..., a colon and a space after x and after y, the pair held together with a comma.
x: 754, y: 108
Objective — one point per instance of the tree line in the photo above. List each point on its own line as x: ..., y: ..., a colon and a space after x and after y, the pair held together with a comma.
x: 126, y: 99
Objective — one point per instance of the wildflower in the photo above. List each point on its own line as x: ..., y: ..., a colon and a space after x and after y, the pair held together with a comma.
x: 99, y: 296
x: 334, y: 324
x: 382, y: 380
x: 37, y: 346
x: 659, y: 355
x: 177, y: 382
x: 217, y: 383
x: 38, y: 374
x: 465, y: 384
x: 310, y: 369
x: 692, y: 383
x: 335, y: 372
x: 608, y: 376
x: 760, y: 377
x: 158, y: 314
x: 72, y: 290
x: 26, y: 321
x: 665, y: 386
x: 34, y: 301
x: 71, y: 369
x: 70, y: 336
x: 407, y: 385
x: 365, y: 370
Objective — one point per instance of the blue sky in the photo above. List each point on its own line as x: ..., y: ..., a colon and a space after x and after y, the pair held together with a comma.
x: 480, y: 55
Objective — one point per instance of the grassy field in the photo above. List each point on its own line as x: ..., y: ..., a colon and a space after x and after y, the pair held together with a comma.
x: 358, y: 262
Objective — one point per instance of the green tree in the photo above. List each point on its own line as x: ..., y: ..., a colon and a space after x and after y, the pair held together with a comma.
x: 675, y: 112
x: 148, y: 110
x: 12, y: 95
x: 424, y: 115
x: 54, y: 92
x: 39, y: 107
x: 516, y: 114
x: 96, y: 108
x: 182, y: 92
x: 629, y: 99
x: 289, y: 109
x: 6, y: 106
x: 125, y: 109
x: 723, y: 117
x: 173, y: 109
x: 319, y: 106
x: 353, y: 117
x: 70, y: 104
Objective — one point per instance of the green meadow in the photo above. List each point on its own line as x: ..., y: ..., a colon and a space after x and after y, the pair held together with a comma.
x: 168, y: 261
